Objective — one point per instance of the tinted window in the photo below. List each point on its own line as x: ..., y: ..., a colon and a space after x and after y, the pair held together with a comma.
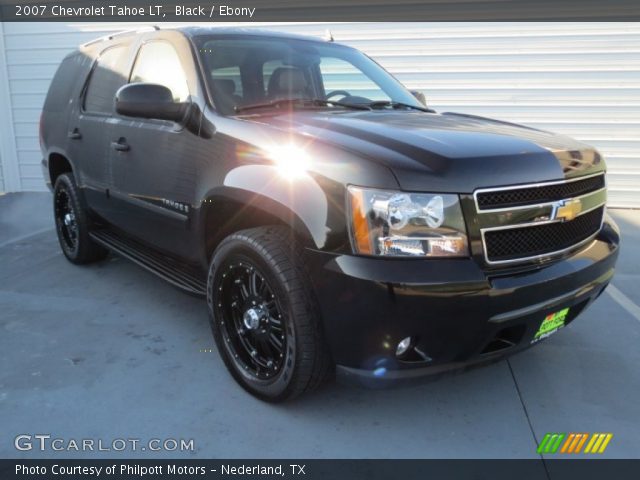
x: 338, y: 74
x: 274, y: 68
x: 226, y: 75
x: 107, y: 77
x: 158, y: 62
x: 268, y: 68
x: 63, y: 83
x: 227, y: 86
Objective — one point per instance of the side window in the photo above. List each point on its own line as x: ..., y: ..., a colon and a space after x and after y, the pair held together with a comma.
x: 64, y: 82
x: 107, y: 77
x: 158, y: 62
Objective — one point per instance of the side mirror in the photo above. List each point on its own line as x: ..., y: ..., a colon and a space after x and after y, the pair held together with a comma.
x: 149, y: 100
x: 420, y: 96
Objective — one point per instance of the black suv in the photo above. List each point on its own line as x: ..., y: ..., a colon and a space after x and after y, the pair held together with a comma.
x: 330, y: 218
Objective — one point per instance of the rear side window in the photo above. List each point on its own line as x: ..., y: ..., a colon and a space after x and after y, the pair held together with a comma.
x: 63, y: 83
x: 158, y: 62
x: 107, y: 77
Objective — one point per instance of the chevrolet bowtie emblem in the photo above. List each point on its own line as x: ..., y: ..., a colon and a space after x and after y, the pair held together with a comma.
x: 567, y: 210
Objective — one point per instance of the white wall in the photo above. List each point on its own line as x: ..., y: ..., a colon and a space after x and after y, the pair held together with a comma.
x: 1, y: 177
x: 580, y: 79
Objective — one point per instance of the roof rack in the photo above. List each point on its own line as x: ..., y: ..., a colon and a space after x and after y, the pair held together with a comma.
x: 124, y: 32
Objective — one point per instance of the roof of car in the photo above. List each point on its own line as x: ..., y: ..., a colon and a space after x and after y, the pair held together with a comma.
x: 193, y: 31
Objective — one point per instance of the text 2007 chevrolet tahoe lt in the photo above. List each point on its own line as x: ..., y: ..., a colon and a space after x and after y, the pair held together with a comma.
x: 329, y: 217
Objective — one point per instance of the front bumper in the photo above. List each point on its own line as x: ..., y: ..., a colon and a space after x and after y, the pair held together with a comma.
x: 458, y: 314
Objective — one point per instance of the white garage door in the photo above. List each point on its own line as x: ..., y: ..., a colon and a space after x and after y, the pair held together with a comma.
x: 580, y: 79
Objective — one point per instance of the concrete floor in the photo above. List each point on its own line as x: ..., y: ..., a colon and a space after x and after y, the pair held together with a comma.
x: 109, y: 351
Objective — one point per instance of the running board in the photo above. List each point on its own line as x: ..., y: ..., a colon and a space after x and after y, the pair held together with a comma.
x: 182, y: 276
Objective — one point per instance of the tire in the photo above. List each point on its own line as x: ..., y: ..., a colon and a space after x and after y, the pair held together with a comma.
x: 73, y: 223
x: 259, y: 295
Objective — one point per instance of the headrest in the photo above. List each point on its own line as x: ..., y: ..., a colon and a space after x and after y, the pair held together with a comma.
x: 287, y: 79
x: 225, y: 86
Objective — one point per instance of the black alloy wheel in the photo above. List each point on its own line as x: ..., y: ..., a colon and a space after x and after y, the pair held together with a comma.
x: 73, y: 223
x: 264, y: 316
x: 66, y: 220
x: 253, y: 327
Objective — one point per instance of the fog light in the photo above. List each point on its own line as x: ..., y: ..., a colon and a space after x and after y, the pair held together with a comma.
x: 403, y: 346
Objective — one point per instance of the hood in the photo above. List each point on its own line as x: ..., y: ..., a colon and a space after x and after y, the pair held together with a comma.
x: 445, y: 152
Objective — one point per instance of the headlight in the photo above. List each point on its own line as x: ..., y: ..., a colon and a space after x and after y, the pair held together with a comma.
x: 406, y: 224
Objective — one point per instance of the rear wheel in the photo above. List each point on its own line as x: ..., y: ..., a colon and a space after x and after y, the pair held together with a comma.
x: 72, y: 223
x: 263, y: 314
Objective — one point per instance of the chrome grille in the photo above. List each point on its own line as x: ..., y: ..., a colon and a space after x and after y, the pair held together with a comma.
x: 518, y: 196
x: 536, y: 240
x: 538, y: 221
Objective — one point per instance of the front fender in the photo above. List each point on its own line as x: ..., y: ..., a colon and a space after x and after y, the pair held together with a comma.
x: 306, y: 203
x: 300, y: 202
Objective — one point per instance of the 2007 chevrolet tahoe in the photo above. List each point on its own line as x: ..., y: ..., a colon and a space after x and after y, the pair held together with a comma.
x: 330, y: 218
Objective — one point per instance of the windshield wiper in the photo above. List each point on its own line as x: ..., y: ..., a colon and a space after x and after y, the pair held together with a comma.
x: 393, y: 104
x: 300, y: 101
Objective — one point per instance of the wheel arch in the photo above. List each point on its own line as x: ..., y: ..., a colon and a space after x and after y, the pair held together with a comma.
x: 57, y: 164
x: 231, y: 210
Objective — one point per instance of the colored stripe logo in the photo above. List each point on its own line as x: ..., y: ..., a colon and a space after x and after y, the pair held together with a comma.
x: 574, y: 443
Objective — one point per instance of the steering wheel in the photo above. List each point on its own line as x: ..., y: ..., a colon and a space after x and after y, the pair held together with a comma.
x: 333, y: 93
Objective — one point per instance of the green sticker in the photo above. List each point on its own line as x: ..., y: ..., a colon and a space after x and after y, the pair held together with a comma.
x: 550, y: 324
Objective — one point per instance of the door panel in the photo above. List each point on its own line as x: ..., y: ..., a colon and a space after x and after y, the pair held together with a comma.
x: 90, y: 147
x: 87, y: 135
x: 153, y: 182
x: 153, y: 172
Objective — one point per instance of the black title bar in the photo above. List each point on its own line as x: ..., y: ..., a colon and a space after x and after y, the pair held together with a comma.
x: 533, y: 469
x: 318, y: 10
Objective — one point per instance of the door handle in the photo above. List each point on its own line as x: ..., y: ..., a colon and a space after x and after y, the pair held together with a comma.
x: 121, y: 145
x: 75, y: 134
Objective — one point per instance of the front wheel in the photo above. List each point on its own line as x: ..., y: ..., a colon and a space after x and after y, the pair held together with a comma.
x: 263, y: 314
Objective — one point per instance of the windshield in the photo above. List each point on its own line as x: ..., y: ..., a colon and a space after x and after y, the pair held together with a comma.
x: 248, y: 71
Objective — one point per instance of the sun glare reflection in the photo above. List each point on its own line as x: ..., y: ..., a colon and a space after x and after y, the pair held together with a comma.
x: 292, y: 161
